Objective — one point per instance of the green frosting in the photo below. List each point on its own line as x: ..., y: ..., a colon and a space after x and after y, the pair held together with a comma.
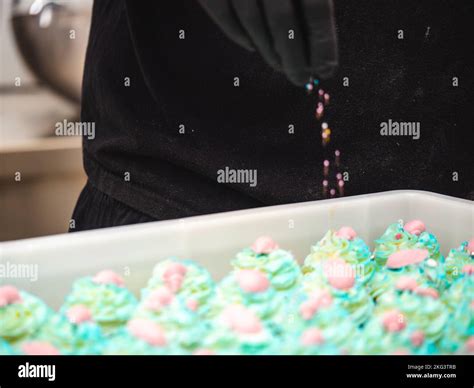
x: 396, y: 238
x: 354, y: 252
x: 455, y: 261
x: 422, y: 313
x: 280, y: 267
x: 197, y: 285
x: 184, y: 327
x: 70, y: 338
x: 6, y: 349
x: 122, y: 343
x: 22, y: 319
x: 356, y: 300
x: 111, y: 305
x: 224, y: 341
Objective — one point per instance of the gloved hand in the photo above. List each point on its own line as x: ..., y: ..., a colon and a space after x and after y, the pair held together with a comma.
x: 264, y: 25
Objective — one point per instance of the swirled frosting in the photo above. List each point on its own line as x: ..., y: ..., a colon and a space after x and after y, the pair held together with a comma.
x: 185, y: 278
x: 183, y: 325
x: 23, y: 317
x: 80, y: 338
x: 353, y: 250
x: 456, y: 260
x: 422, y: 311
x: 279, y: 265
x: 111, y: 304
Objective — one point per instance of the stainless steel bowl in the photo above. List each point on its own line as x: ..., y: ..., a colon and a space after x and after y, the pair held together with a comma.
x: 52, y: 38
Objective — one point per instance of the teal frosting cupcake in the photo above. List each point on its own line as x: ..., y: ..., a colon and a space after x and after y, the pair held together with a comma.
x: 279, y: 265
x: 21, y: 314
x: 139, y: 337
x: 343, y: 244
x: 185, y: 278
x: 183, y: 325
x: 238, y: 330
x: 398, y: 237
x: 424, y: 313
x: 379, y: 338
x: 74, y: 333
x: 458, y: 259
x: 105, y: 295
x: 338, y: 279
x: 319, y: 327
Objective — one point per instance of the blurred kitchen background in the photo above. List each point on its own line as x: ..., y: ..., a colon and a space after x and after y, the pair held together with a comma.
x: 42, y: 50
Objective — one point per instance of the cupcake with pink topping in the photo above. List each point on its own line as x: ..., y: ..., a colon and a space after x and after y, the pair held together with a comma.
x: 337, y: 278
x: 21, y: 315
x: 139, y: 337
x: 342, y: 244
x: 184, y: 278
x: 106, y: 297
x: 73, y: 333
x: 183, y: 325
x: 252, y: 289
x: 266, y: 256
x: 399, y: 236
x: 239, y: 330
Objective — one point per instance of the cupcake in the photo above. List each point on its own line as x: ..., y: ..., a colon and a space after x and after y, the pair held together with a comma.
x: 178, y: 317
x: 409, y: 268
x: 319, y: 327
x: 139, y: 337
x: 412, y: 235
x: 21, y: 314
x: 238, y: 330
x: 72, y: 333
x: 345, y: 245
x: 459, y: 260
x: 279, y: 265
x: 185, y: 278
x: 106, y: 297
x: 422, y: 312
x: 389, y: 334
x: 252, y: 289
x: 337, y: 278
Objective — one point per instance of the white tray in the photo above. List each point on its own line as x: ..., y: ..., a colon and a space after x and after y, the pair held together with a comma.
x: 213, y: 240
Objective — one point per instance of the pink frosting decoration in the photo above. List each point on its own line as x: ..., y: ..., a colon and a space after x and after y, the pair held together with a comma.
x: 346, y: 232
x: 264, y: 245
x: 470, y: 246
x: 174, y: 276
x: 159, y: 298
x: 242, y: 320
x: 401, y: 352
x: 108, y: 277
x: 251, y: 280
x: 203, y: 352
x: 192, y: 304
x: 406, y: 283
x: 147, y: 331
x: 393, y: 321
x: 468, y: 269
x: 415, y: 227
x: 317, y: 300
x: 406, y: 257
x: 311, y: 337
x: 79, y: 314
x: 340, y: 275
x: 470, y: 344
x: 9, y: 295
x: 427, y: 292
x: 417, y: 338
x: 38, y: 348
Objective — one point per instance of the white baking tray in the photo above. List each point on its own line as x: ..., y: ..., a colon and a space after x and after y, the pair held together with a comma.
x: 213, y: 240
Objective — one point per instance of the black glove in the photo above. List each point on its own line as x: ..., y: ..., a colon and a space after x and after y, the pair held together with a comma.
x: 264, y: 25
